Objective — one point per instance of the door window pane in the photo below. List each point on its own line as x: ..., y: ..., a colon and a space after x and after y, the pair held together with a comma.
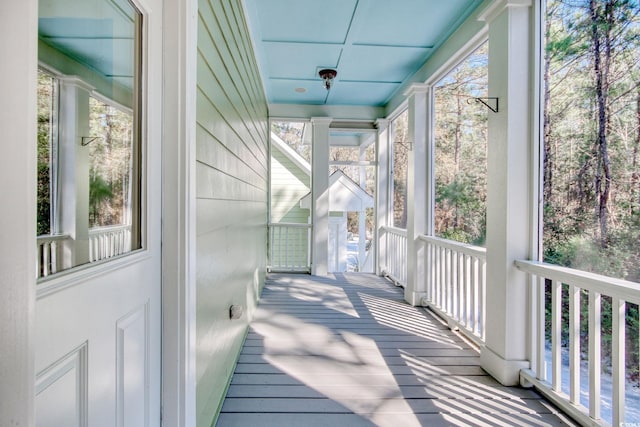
x: 89, y: 133
x: 47, y: 107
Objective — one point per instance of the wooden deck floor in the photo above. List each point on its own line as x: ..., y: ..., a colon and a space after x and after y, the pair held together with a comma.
x: 347, y: 351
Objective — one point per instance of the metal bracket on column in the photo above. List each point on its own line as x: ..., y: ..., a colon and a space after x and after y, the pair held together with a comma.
x: 86, y: 140
x: 408, y: 144
x: 490, y: 103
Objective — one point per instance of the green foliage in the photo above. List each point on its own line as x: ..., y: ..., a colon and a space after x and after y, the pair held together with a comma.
x: 99, y: 192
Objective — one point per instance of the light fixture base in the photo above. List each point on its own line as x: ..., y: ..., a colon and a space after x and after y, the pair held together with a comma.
x: 327, y: 75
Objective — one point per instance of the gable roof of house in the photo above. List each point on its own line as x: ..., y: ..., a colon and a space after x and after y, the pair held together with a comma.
x: 344, y: 195
x: 278, y: 144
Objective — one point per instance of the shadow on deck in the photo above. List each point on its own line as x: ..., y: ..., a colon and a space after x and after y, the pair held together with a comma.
x: 347, y: 351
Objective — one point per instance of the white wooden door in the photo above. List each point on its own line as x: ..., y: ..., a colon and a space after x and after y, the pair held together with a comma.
x: 97, y: 326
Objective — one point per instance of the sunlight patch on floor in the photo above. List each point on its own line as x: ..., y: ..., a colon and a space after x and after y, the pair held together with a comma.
x: 345, y: 359
x: 331, y: 297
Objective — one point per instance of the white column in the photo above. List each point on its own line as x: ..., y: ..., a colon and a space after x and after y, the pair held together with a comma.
x: 179, y: 64
x: 18, y: 112
x: 417, y: 200
x: 320, y: 195
x: 73, y: 169
x: 362, y: 216
x: 509, y: 200
x: 383, y: 180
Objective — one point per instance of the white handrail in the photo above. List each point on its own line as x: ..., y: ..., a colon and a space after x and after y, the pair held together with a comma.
x: 289, y: 247
x: 623, y: 289
x: 394, y: 263
x: 455, y: 279
x: 594, y: 286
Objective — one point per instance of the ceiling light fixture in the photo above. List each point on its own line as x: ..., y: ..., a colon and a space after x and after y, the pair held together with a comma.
x: 327, y: 75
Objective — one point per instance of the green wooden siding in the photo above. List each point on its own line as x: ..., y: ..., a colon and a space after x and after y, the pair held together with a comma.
x: 231, y: 195
x: 289, y: 183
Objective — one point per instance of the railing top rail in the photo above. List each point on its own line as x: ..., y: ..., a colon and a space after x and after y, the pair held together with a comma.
x: 289, y: 224
x: 394, y: 230
x: 105, y: 229
x: 623, y: 289
x: 52, y: 237
x: 465, y: 248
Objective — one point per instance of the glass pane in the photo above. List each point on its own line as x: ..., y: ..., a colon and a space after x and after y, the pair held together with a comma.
x: 290, y: 171
x: 592, y: 139
x: 110, y: 159
x: 400, y: 129
x: 461, y: 151
x: 47, y: 102
x: 294, y: 134
x: 88, y: 132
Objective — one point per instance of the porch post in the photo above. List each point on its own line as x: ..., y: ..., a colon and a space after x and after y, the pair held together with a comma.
x: 73, y: 169
x: 320, y: 195
x: 383, y: 177
x: 509, y: 200
x: 362, y: 215
x: 417, y: 200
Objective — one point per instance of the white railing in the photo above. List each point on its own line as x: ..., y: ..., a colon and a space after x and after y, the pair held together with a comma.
x: 395, y: 258
x: 455, y: 279
x: 107, y: 242
x: 568, y: 394
x: 454, y: 275
x: 50, y: 254
x: 289, y: 247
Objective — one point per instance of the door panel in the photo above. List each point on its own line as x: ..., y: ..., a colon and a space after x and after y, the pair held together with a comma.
x: 111, y: 324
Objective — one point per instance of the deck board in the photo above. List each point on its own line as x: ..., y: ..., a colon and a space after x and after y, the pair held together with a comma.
x: 347, y: 351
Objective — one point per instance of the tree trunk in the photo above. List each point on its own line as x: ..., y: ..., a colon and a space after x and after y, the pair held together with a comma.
x: 457, y: 142
x: 547, y: 191
x: 601, y: 28
x: 635, y: 176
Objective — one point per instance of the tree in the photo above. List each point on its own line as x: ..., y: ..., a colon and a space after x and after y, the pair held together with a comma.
x: 461, y: 151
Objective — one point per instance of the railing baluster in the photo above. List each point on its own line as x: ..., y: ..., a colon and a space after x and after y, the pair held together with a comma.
x: 483, y: 299
x: 594, y: 354
x: 474, y: 296
x: 574, y: 344
x: 540, y: 328
x: 455, y: 299
x: 53, y: 256
x: 618, y: 331
x: 556, y: 335
x: 46, y: 248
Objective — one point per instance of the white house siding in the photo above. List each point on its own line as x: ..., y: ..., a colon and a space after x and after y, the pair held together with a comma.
x: 231, y: 195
